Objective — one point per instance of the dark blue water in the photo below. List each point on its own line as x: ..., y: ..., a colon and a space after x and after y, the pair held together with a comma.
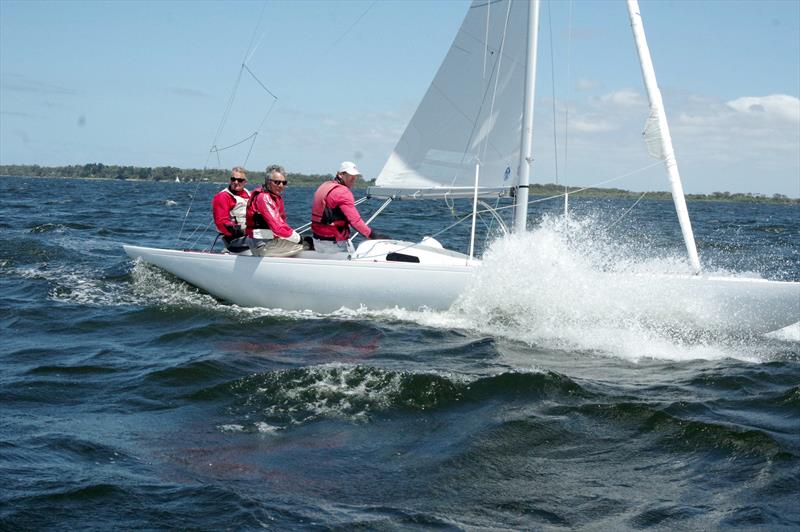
x: 130, y: 400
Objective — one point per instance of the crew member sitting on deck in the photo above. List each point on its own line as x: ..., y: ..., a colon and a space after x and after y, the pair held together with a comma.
x: 333, y: 211
x: 268, y: 233
x: 229, y: 207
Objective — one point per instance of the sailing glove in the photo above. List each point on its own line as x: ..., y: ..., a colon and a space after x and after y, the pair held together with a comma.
x: 379, y: 236
x: 294, y: 238
x: 235, y: 230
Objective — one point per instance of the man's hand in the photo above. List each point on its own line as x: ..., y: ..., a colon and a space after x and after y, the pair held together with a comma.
x: 235, y: 231
x: 294, y: 238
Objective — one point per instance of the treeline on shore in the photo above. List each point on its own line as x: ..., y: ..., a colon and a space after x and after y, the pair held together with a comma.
x: 145, y: 173
x: 551, y: 190
x: 171, y: 173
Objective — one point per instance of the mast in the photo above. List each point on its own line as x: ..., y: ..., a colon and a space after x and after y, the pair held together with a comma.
x: 525, y: 156
x: 657, y: 127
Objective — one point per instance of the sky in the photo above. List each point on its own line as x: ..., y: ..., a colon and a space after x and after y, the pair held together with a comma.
x: 148, y: 84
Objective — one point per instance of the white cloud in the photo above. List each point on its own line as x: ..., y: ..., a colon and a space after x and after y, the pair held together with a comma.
x: 19, y: 115
x: 751, y: 142
x: 606, y: 113
x: 15, y: 82
x: 779, y: 107
x: 746, y: 144
x: 330, y: 137
x: 584, y: 84
x: 187, y: 92
x: 770, y: 118
x: 592, y: 125
x: 624, y: 98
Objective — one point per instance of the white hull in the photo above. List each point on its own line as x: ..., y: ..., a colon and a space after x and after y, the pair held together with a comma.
x: 318, y: 284
x: 729, y: 305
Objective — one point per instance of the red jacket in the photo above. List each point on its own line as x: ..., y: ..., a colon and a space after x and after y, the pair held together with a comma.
x: 223, y: 207
x: 265, y: 210
x: 342, y: 212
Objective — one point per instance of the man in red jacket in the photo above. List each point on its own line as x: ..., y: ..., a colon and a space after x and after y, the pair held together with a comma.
x: 229, y: 207
x: 268, y: 234
x: 333, y: 211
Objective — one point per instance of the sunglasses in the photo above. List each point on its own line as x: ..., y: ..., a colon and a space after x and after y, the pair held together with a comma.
x: 238, y: 179
x: 278, y: 182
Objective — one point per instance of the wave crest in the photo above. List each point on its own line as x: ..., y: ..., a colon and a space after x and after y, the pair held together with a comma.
x: 357, y: 393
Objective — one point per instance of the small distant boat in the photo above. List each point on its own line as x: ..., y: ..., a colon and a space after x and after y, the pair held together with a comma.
x: 177, y: 179
x: 466, y: 140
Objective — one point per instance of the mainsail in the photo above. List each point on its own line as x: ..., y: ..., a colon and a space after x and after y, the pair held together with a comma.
x: 470, y: 114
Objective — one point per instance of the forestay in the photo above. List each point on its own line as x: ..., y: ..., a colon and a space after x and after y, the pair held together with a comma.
x: 470, y: 113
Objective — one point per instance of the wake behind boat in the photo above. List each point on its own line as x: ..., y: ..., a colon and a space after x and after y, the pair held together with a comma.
x: 471, y: 137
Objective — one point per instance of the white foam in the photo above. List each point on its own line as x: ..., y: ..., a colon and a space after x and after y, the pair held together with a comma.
x: 265, y: 428
x: 153, y: 286
x: 787, y: 334
x: 551, y: 288
x: 332, y: 391
x: 548, y: 288
x: 78, y: 284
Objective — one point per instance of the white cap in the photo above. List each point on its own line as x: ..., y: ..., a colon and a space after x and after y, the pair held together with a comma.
x: 349, y: 168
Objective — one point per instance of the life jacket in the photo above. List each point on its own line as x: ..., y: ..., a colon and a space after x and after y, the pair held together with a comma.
x: 238, y: 213
x: 324, y: 215
x: 255, y: 221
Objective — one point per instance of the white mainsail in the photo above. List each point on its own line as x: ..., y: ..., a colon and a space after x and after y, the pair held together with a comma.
x: 471, y: 112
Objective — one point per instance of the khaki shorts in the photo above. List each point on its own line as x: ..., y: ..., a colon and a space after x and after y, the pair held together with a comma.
x: 276, y: 247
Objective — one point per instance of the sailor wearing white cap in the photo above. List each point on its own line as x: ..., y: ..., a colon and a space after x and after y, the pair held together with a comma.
x: 333, y: 211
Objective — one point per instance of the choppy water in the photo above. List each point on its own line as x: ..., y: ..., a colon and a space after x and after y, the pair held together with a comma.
x: 131, y: 400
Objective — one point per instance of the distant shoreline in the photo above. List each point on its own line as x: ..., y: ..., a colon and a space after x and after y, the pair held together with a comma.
x: 145, y: 173
x: 169, y: 174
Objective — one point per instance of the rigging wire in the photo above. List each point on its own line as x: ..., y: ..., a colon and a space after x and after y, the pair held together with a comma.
x: 493, y: 211
x: 254, y: 44
x: 215, y: 150
x: 260, y: 126
x: 495, y: 70
x: 624, y: 214
x: 486, y: 38
x: 450, y: 203
x: 491, y: 109
x: 244, y: 66
x: 251, y: 47
x: 199, y: 235
x: 553, y: 87
x: 248, y: 137
x: 497, y: 77
x: 472, y: 118
x: 569, y: 87
x: 247, y: 55
x: 566, y: 108
x: 227, y: 111
x: 575, y: 191
x: 353, y: 25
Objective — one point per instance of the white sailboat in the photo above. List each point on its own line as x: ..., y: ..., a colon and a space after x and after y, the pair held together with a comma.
x: 470, y: 137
